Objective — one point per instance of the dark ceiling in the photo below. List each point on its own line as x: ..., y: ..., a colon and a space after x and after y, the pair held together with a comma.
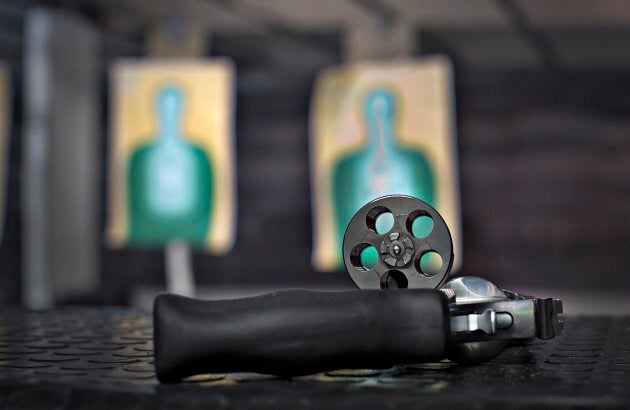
x: 504, y: 34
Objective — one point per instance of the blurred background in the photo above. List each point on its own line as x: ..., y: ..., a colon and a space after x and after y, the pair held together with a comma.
x: 541, y: 119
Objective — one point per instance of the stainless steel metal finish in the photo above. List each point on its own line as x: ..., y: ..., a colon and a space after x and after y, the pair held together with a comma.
x: 467, y: 317
x: 449, y: 293
x: 485, y: 321
x: 472, y: 289
x: 398, y: 249
x: 488, y: 321
x: 483, y: 317
x: 517, y: 319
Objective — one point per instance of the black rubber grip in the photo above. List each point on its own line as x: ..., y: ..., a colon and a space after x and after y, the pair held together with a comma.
x: 292, y: 333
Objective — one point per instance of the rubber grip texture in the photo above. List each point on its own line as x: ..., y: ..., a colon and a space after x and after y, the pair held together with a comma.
x: 292, y: 333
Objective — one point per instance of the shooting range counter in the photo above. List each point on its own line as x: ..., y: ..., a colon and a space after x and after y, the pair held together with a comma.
x: 102, y: 358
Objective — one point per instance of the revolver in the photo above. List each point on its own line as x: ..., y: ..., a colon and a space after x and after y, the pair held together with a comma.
x: 291, y: 333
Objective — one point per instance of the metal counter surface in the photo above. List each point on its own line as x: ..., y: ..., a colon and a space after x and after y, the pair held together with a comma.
x: 93, y: 358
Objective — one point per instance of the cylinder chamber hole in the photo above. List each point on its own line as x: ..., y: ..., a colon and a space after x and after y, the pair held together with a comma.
x: 380, y: 220
x: 420, y: 224
x: 364, y: 257
x: 394, y: 279
x: 429, y: 263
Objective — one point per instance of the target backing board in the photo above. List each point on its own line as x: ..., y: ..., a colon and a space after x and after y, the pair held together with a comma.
x: 381, y: 128
x: 172, y: 156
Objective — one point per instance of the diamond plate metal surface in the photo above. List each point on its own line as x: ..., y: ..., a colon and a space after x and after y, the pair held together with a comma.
x: 69, y: 356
